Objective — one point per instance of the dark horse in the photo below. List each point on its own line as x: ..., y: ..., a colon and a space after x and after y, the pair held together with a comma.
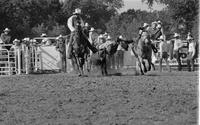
x: 100, y: 58
x: 79, y: 49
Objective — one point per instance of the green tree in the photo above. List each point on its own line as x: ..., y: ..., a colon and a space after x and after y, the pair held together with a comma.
x: 127, y: 23
x: 95, y: 12
x: 24, y: 17
x: 184, y: 12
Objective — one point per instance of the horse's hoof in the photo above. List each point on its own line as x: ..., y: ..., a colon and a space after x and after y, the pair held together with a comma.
x: 79, y: 75
x: 145, y: 70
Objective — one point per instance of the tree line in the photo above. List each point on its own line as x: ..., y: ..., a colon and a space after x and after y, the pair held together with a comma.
x: 34, y: 17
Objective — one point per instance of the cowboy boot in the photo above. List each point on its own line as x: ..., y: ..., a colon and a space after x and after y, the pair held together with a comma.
x: 69, y: 50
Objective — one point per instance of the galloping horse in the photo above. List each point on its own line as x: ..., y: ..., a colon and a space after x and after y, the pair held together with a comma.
x: 143, y: 50
x: 79, y: 49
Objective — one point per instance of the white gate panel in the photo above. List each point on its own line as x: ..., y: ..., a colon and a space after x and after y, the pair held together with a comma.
x: 49, y: 58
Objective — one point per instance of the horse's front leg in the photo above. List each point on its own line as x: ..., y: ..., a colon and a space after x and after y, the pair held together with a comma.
x: 81, y: 62
x: 105, y: 68
x: 144, y: 65
x: 77, y: 61
x: 140, y: 64
x: 153, y: 66
x: 149, y: 63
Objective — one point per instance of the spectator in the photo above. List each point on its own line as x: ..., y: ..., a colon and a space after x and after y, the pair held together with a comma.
x: 164, y: 49
x: 177, y: 46
x: 45, y: 40
x: 191, y: 53
x: 61, y: 47
x: 5, y: 37
x: 93, y: 36
x: 16, y: 42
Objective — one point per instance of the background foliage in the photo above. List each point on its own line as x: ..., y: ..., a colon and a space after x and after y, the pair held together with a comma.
x: 33, y: 17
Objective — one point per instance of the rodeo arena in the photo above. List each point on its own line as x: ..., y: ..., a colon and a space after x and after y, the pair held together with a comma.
x: 49, y: 54
x: 86, y: 78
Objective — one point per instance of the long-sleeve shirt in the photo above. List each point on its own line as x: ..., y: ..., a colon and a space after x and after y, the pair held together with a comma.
x: 72, y: 22
x: 5, y: 38
x: 93, y: 38
x: 60, y: 46
x: 191, y: 47
x: 164, y: 47
x: 177, y: 44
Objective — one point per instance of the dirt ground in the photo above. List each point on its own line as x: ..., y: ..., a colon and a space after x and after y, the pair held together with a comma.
x: 65, y: 99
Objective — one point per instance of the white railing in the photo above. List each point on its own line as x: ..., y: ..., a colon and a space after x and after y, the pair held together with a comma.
x: 7, y: 60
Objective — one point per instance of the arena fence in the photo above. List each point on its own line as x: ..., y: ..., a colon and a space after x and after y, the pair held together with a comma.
x: 7, y: 60
x: 29, y: 58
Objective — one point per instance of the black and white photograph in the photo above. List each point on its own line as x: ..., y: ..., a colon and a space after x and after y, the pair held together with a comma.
x: 99, y: 62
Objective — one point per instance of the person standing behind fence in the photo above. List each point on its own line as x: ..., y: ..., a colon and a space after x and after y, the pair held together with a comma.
x: 191, y: 53
x: 61, y: 47
x: 177, y: 46
x: 164, y: 49
x: 5, y: 38
x: 45, y: 40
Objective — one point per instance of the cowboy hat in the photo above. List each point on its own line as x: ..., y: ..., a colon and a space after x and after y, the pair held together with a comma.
x: 161, y: 37
x: 176, y: 35
x: 105, y: 34
x: 154, y: 22
x: 101, y: 36
x: 33, y: 41
x: 108, y: 38
x: 59, y: 37
x: 7, y: 30
x: 189, y: 38
x: 86, y: 24
x: 92, y: 29
x: 48, y: 43
x: 121, y: 37
x: 26, y: 39
x: 145, y: 24
x: 159, y: 22
x: 43, y: 35
x: 159, y: 26
x: 77, y: 11
x: 15, y: 40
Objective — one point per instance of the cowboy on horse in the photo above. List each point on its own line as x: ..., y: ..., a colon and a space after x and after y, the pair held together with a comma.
x: 72, y: 22
x: 142, y: 48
